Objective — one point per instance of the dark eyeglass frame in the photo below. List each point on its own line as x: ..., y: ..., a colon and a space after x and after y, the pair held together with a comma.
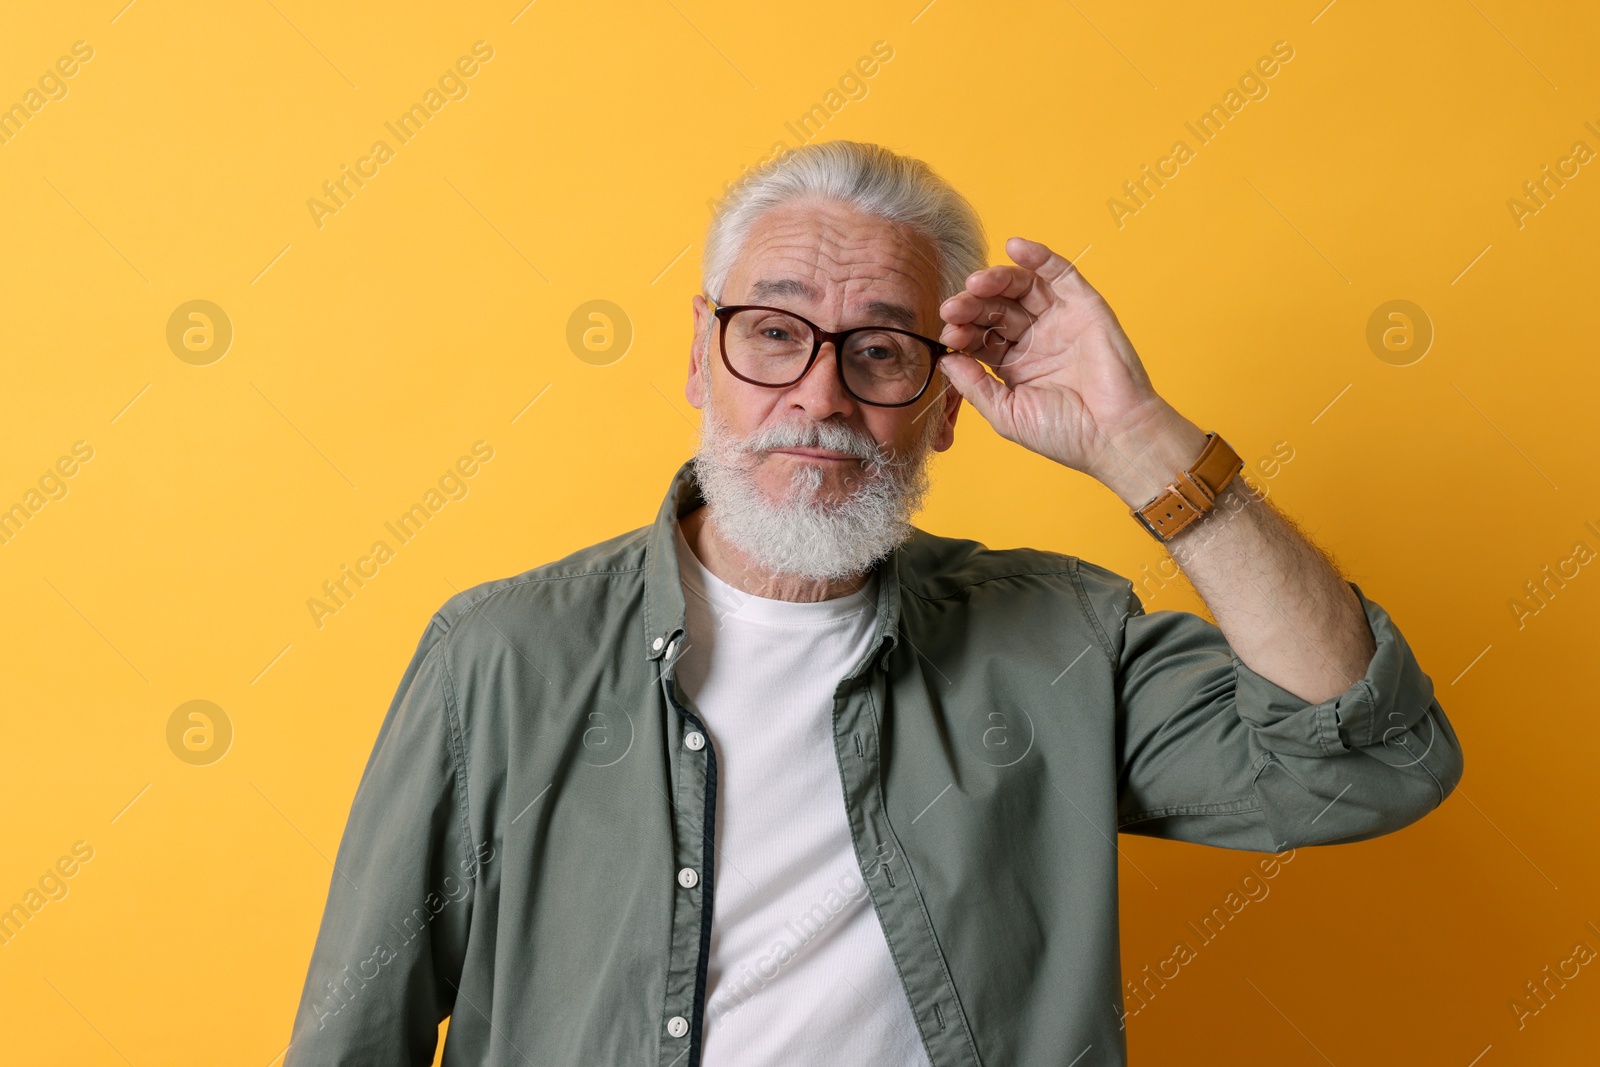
x: 820, y: 337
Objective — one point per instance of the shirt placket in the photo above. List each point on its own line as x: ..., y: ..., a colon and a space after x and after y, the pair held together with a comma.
x: 907, y: 926
x: 694, y: 823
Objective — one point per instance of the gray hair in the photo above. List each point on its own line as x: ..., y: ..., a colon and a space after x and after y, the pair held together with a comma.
x: 868, y: 177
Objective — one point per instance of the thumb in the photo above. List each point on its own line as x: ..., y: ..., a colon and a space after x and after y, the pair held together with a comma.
x: 976, y: 385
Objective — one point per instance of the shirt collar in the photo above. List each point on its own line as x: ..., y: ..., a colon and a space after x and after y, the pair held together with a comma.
x: 664, y: 606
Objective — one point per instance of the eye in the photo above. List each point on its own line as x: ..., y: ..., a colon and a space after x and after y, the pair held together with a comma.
x: 776, y: 333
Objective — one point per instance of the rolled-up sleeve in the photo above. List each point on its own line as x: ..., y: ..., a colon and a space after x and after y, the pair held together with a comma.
x: 1214, y: 753
x: 389, y: 952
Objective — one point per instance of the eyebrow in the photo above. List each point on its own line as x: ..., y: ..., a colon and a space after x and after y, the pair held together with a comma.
x: 897, y: 314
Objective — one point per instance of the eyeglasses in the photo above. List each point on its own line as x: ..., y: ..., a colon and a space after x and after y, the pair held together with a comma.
x: 877, y: 365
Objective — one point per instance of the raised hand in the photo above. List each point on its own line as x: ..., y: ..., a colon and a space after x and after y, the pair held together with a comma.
x: 1070, y: 385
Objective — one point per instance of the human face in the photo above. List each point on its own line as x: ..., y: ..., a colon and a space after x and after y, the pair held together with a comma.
x: 839, y: 268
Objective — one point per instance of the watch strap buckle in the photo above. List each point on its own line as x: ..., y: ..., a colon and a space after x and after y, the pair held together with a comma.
x: 1193, y: 493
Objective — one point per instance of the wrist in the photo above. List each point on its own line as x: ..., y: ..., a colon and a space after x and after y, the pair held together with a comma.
x: 1143, y: 458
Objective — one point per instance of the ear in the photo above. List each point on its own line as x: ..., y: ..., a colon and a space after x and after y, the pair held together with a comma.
x: 697, y: 388
x: 949, y: 405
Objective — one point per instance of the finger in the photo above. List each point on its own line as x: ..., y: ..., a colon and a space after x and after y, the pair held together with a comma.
x: 1002, y: 280
x: 963, y: 308
x: 1060, y: 273
x: 978, y: 388
x: 1017, y: 284
x: 985, y: 343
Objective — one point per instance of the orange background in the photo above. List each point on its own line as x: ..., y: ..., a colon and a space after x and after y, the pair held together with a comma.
x: 431, y: 310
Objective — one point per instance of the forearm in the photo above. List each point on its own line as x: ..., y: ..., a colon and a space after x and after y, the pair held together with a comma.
x: 1283, y: 608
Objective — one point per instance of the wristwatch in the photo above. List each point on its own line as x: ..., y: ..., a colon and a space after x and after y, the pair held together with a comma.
x: 1192, y: 495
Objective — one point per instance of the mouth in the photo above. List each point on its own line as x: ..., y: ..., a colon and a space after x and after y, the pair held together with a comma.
x: 818, y: 454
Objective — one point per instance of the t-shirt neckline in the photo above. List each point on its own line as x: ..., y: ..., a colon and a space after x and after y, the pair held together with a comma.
x: 727, y: 599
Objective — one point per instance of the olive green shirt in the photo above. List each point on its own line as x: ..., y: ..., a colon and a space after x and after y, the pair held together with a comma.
x: 515, y: 852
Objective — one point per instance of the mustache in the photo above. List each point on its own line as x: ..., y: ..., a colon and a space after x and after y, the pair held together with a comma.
x: 832, y: 436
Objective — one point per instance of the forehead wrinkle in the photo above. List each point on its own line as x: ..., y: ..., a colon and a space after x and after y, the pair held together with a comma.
x: 910, y: 245
x: 851, y: 273
x: 847, y: 260
x: 840, y: 245
x: 833, y: 255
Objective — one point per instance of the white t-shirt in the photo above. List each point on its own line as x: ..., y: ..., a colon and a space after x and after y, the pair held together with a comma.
x: 800, y: 973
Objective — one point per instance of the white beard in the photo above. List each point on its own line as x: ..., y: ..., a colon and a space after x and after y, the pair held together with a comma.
x: 803, y: 534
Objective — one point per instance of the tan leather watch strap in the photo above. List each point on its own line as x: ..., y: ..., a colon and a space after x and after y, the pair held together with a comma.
x: 1193, y: 494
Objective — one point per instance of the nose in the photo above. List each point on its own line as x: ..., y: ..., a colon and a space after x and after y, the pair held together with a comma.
x: 820, y: 394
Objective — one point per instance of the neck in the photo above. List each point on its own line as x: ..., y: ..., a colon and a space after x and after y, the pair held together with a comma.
x: 728, y: 562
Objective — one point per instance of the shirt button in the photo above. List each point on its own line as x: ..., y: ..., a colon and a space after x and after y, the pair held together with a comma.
x: 695, y: 740
x: 687, y: 878
x: 677, y: 1026
x: 657, y: 643
x: 670, y: 647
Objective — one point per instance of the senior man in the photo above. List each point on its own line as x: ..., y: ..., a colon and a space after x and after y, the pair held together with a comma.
x: 782, y: 779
